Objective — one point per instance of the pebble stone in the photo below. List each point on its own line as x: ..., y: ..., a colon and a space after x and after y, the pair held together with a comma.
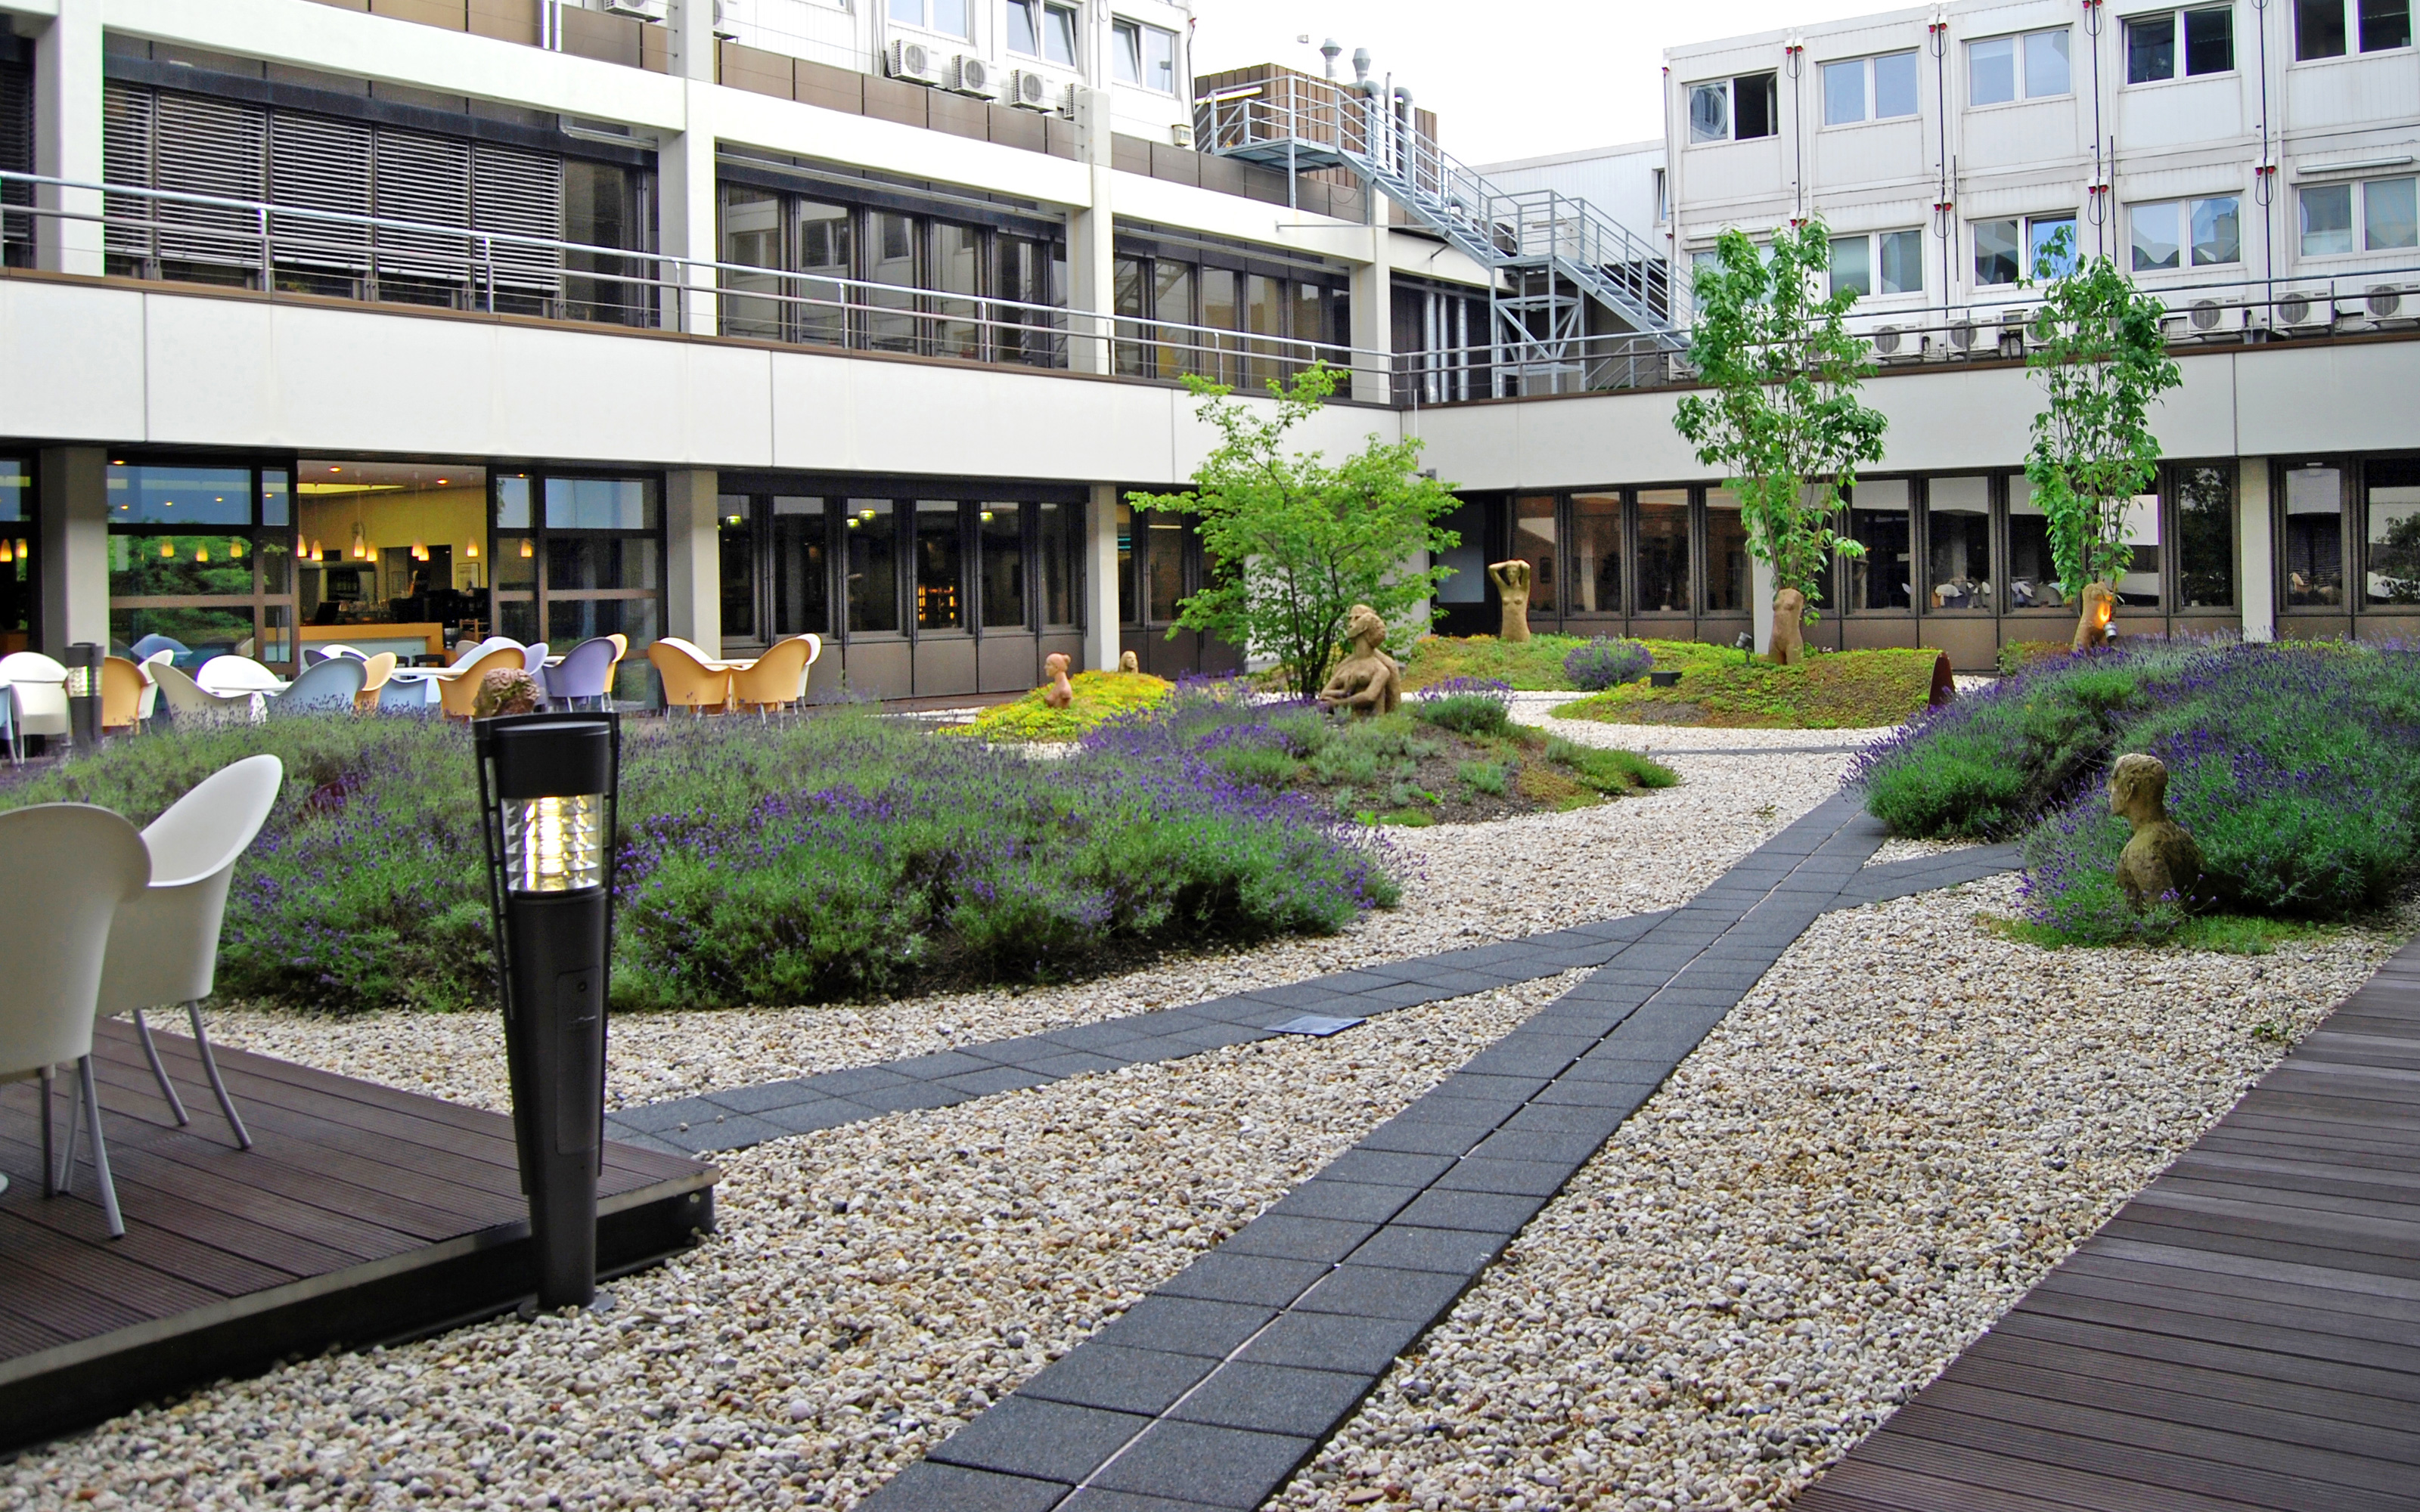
x: 869, y: 1291
x: 1893, y: 1136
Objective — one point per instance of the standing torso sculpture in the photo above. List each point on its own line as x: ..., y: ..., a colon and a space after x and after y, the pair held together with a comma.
x: 1511, y: 581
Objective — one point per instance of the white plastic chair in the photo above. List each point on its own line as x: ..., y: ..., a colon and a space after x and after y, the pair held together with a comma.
x: 152, y: 665
x: 38, y: 697
x: 65, y: 868
x: 237, y: 674
x: 164, y: 946
x: 189, y: 704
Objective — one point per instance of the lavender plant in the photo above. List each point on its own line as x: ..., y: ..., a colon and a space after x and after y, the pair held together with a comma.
x: 1596, y: 665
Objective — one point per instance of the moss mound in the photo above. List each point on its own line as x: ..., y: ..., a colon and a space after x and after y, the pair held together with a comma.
x: 1101, y: 697
x: 1721, y: 688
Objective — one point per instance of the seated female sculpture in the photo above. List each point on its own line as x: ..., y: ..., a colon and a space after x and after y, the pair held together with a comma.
x: 1367, y: 681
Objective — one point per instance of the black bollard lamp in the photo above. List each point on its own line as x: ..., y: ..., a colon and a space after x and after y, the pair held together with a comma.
x: 547, y: 788
x: 84, y: 695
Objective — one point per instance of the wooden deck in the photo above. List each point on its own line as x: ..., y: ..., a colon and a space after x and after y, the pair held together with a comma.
x: 2244, y: 1334
x: 362, y: 1215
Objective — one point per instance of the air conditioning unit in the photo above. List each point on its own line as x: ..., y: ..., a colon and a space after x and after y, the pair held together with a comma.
x: 971, y: 75
x: 1028, y: 90
x: 1181, y: 135
x: 1894, y: 345
x: 2392, y: 306
x: 1963, y: 336
x: 2306, y: 312
x: 644, y: 9
x: 2205, y: 317
x: 914, y: 62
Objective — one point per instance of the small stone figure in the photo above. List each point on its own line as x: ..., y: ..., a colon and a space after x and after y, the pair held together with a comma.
x: 2099, y: 608
x: 1945, y: 684
x: 1367, y: 681
x: 1788, y: 628
x: 1061, y: 692
x: 2161, y: 861
x: 1511, y: 581
x: 505, y: 691
x: 1129, y: 662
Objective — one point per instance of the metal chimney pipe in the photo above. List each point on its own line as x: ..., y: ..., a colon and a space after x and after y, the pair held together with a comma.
x: 1329, y: 51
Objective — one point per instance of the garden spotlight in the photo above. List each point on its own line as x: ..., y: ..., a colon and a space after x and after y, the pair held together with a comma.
x: 546, y: 789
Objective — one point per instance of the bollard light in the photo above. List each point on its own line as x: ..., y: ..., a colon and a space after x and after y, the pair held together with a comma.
x: 547, y: 789
x: 83, y: 694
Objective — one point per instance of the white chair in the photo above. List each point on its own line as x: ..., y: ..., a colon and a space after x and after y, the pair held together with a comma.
x: 237, y: 674
x: 65, y: 868
x: 164, y: 946
x: 38, y: 698
x: 152, y: 665
x: 190, y: 705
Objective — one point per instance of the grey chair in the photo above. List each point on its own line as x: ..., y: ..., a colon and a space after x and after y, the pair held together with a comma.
x: 329, y: 687
x: 582, y: 678
x: 143, y: 648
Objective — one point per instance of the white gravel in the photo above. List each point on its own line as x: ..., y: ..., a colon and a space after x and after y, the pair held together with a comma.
x: 1466, y: 884
x: 1897, y: 1132
x: 1899, y: 849
x: 869, y: 1291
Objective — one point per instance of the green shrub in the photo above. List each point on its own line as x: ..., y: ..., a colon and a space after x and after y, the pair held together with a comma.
x: 1726, y: 689
x: 1465, y: 706
x: 1101, y: 697
x: 1493, y: 777
x: 1608, y: 769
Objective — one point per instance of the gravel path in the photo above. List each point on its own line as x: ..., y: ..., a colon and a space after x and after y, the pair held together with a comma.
x: 1890, y: 1138
x: 868, y: 1291
x: 1466, y: 884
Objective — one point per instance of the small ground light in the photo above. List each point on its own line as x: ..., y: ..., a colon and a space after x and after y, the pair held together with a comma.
x: 547, y: 790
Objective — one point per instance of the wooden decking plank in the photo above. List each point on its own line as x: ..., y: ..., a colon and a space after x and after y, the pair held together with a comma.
x: 2259, y: 1133
x: 2386, y: 1383
x: 278, y: 1169
x: 2139, y: 1318
x: 2161, y: 1292
x: 2383, y: 1204
x: 2249, y: 1386
x: 2337, y: 1302
x: 1859, y: 1484
x: 2317, y: 1278
x: 1979, y: 1467
x: 2288, y: 1174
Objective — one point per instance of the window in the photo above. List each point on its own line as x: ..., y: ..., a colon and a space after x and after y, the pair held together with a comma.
x: 738, y: 558
x: 203, y: 555
x: 2041, y: 239
x: 2314, y: 536
x: 2211, y: 229
x: 1164, y: 536
x: 801, y: 567
x: 2033, y: 574
x: 948, y: 17
x: 1663, y: 205
x: 1000, y: 528
x: 1957, y: 544
x: 2138, y: 586
x: 1038, y: 28
x: 1889, y: 262
x: 870, y: 562
x: 1869, y: 88
x: 941, y: 566
x: 2205, y: 537
x: 2394, y: 519
x: 1596, y: 553
x: 2152, y: 43
x: 2319, y: 27
x: 1533, y: 541
x: 2386, y: 216
x: 1145, y: 56
x: 1726, y: 558
x: 1997, y: 256
x: 2032, y: 66
x: 1734, y: 109
x: 1879, y: 520
x: 1663, y: 551
x: 601, y: 548
x: 18, y: 577
x: 1060, y: 539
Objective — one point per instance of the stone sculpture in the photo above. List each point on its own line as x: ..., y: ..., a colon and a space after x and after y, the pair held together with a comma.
x: 2161, y: 861
x: 1511, y: 581
x: 1788, y: 628
x: 505, y: 691
x: 1060, y: 692
x: 1367, y: 681
x: 1945, y: 684
x: 2092, y: 626
x: 1129, y: 662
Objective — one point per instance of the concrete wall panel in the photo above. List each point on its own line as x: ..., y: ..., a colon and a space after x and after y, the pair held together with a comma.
x: 73, y: 363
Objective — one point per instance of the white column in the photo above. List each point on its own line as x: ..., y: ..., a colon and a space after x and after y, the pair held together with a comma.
x: 1091, y: 243
x: 1760, y: 589
x: 691, y: 24
x: 685, y: 164
x: 2256, y: 551
x: 72, y: 482
x: 1374, y: 312
x: 693, y: 558
x: 67, y: 136
x: 1101, y: 577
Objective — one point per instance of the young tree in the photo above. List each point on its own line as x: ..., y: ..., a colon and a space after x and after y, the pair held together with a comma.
x: 1784, y: 420
x: 1292, y: 542
x: 2102, y: 362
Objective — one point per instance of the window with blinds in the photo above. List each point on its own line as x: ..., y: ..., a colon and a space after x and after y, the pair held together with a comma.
x: 467, y: 201
x: 16, y: 155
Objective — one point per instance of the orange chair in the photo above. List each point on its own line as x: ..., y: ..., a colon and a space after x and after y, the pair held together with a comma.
x: 692, y: 680
x: 457, y: 687
x: 377, y: 669
x: 776, y: 679
x: 123, y: 688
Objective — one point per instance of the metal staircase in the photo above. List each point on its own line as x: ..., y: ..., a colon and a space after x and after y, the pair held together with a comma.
x: 1551, y: 253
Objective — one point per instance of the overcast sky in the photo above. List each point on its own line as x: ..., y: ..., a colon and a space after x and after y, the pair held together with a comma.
x: 1513, y: 79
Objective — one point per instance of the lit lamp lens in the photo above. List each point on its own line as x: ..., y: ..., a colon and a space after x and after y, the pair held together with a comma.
x: 555, y: 845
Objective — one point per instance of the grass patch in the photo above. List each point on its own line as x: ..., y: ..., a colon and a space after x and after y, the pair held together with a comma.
x: 1532, y: 666
x: 1101, y: 697
x: 2221, y: 933
x: 1722, y: 690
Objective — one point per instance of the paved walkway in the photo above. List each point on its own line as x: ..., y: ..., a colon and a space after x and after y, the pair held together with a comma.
x: 1213, y: 1390
x: 2244, y: 1334
x: 744, y: 1116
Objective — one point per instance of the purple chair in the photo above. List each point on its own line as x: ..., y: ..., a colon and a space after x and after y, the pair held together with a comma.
x: 582, y: 677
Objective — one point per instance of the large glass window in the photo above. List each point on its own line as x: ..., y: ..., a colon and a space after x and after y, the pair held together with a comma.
x: 602, y: 551
x: 1172, y: 285
x: 941, y: 566
x: 1734, y: 109
x: 2392, y: 509
x: 801, y: 567
x: 1533, y: 541
x: 1000, y: 529
x: 2205, y: 537
x: 823, y: 236
x: 2042, y: 233
x: 1879, y: 520
x: 18, y: 578
x: 1465, y: 560
x: 870, y: 562
x: 1128, y: 601
x: 1729, y: 585
x: 1957, y: 544
x: 2138, y: 586
x: 203, y: 555
x: 2033, y: 574
x: 1059, y: 539
x: 1039, y: 28
x: 894, y: 264
x: 1875, y: 88
x: 2314, y: 567
x: 2033, y: 66
x: 1853, y: 266
x: 738, y: 538
x: 957, y: 269
x: 1999, y: 259
x: 1663, y: 551
x: 752, y: 235
x: 2387, y: 214
x: 2386, y: 217
x: 1264, y: 318
x: 948, y: 17
x: 1143, y: 55
x: 1164, y: 565
x: 1596, y: 553
x: 2151, y: 50
x: 2320, y: 29
x: 2327, y: 219
x: 1222, y: 306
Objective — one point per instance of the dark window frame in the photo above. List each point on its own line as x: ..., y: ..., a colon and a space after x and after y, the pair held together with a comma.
x: 255, y: 534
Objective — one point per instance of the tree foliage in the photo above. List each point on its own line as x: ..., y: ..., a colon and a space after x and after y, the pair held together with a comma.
x: 1291, y: 541
x: 1784, y: 420
x: 2103, y: 362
